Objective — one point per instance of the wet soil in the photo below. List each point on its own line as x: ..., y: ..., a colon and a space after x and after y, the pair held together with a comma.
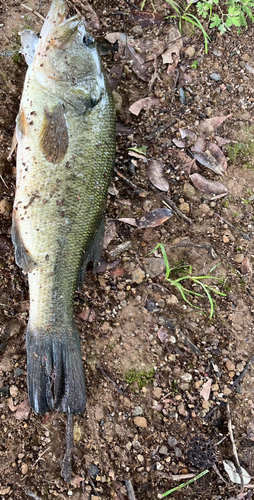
x: 145, y: 383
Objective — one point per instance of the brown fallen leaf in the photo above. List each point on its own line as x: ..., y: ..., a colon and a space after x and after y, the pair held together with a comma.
x: 162, y: 334
x: 250, y: 430
x: 22, y: 410
x: 76, y: 480
x: 145, y: 104
x: 207, y: 160
x: 246, y: 266
x: 209, y: 125
x: 114, y: 76
x: 174, y: 46
x: 189, y: 135
x: 206, y: 389
x: 218, y: 155
x: 178, y: 143
x: 145, y: 18
x: 185, y: 162
x: 222, y: 141
x: 119, y: 271
x: 110, y: 234
x: 207, y: 186
x: 150, y: 219
x: 156, y: 174
x: 199, y: 146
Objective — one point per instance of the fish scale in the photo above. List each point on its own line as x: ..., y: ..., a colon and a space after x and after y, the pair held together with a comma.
x: 66, y: 146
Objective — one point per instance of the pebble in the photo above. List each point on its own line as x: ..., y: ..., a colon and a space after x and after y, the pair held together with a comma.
x: 215, y: 76
x: 138, y: 276
x: 17, y: 372
x: 128, y: 446
x: 181, y: 409
x: 190, y: 51
x: 138, y: 411
x: 171, y: 300
x: 136, y: 445
x: 215, y: 387
x: 120, y: 249
x: 239, y: 258
x: 24, y: 469
x: 13, y: 391
x: 163, y: 450
x: 198, y: 384
x: 184, y: 207
x: 140, y: 422
x: 159, y: 466
x: 189, y: 190
x: 204, y: 208
x: 208, y: 111
x: 172, y: 442
x: 118, y: 102
x: 185, y: 386
x: 157, y: 392
x: 5, y: 206
x: 154, y: 267
x: 99, y: 413
x: 217, y: 53
x: 230, y: 366
x: 137, y: 29
x: 93, y: 470
x: 178, y: 452
x: 140, y: 458
x: 205, y: 405
x: 186, y: 377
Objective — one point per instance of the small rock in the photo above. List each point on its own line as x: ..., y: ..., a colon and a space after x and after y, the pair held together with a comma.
x: 230, y: 366
x: 138, y: 411
x: 239, y: 258
x: 6, y: 365
x: 208, y: 111
x: 189, y: 190
x: 128, y: 446
x: 159, y: 466
x: 120, y: 249
x: 231, y: 374
x: 118, y: 102
x: 136, y: 445
x: 185, y: 386
x: 225, y: 239
x: 215, y: 76
x: 93, y: 470
x: 98, y: 413
x: 172, y: 442
x: 140, y: 422
x: 198, y: 384
x: 204, y: 208
x: 217, y: 53
x: 178, y: 452
x: 138, y: 275
x: 172, y: 300
x: 157, y: 392
x: 13, y: 391
x: 240, y: 366
x: 163, y: 450
x: 181, y: 409
x: 154, y: 266
x: 215, y: 387
x: 5, y: 206
x: 174, y: 468
x: 190, y: 51
x: 184, y: 207
x: 5, y: 491
x: 226, y: 390
x: 24, y: 469
x: 186, y: 377
x: 205, y: 405
x: 140, y: 458
x: 137, y: 29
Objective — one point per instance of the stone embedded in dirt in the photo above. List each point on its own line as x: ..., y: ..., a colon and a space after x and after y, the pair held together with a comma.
x: 5, y: 491
x: 13, y: 391
x: 98, y: 413
x: 190, y: 51
x: 230, y: 366
x: 24, y: 469
x: 172, y: 441
x: 239, y: 258
x: 171, y: 300
x: 189, y: 191
x: 198, y: 384
x: 163, y: 450
x: 5, y: 206
x: 215, y: 387
x: 185, y: 386
x: 6, y: 365
x: 140, y: 422
x: 184, y: 207
x: 157, y: 392
x: 215, y: 76
x: 154, y: 266
x: 186, y: 377
x: 217, y: 53
x: 93, y: 470
x: 208, y: 111
x: 128, y: 446
x: 138, y: 411
x: 204, y: 208
x: 138, y: 276
x: 136, y: 444
x: 205, y: 405
x: 181, y: 409
x: 178, y: 452
x: 140, y: 458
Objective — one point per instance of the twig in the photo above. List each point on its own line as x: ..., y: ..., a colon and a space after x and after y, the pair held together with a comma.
x: 237, y: 380
x: 125, y: 180
x: 3, y: 181
x: 175, y: 83
x: 33, y: 495
x: 244, y: 236
x: 161, y: 129
x: 172, y: 205
x: 109, y: 379
x: 39, y: 457
x: 182, y: 477
x: 230, y: 430
x: 130, y: 490
x: 221, y: 440
x: 33, y: 11
x: 66, y: 462
x: 93, y: 486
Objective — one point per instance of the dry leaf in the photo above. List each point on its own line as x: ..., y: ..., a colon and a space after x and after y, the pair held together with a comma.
x: 246, y: 267
x: 22, y: 410
x: 233, y: 475
x: 189, y: 134
x: 145, y: 18
x: 162, y: 334
x: 145, y: 104
x: 207, y: 186
x: 218, y: 155
x: 206, y: 389
x: 222, y: 141
x: 209, y: 125
x: 114, y: 76
x: 199, y: 146
x: 10, y: 404
x: 250, y: 430
x: 174, y: 46
x: 207, y: 160
x: 150, y: 219
x: 178, y: 143
x: 185, y: 162
x: 155, y: 173
x: 110, y: 234
x: 137, y: 155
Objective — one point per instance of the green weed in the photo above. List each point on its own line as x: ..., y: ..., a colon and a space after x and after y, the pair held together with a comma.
x: 195, y: 280
x: 139, y: 378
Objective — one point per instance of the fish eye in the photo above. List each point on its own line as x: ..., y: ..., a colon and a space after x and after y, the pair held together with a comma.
x: 88, y: 41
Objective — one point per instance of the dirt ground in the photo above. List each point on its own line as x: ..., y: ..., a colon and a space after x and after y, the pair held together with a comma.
x: 159, y: 372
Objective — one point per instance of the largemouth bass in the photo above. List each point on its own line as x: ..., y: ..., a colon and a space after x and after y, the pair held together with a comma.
x: 65, y: 131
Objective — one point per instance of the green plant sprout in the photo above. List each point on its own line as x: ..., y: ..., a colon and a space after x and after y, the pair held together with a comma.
x: 183, y: 484
x: 194, y: 65
x: 197, y: 280
x: 139, y: 377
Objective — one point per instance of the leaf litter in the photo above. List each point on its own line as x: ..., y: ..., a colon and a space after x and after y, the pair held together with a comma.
x: 156, y: 175
x: 208, y: 186
x: 150, y: 219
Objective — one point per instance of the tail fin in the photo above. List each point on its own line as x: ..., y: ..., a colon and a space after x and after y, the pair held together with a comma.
x: 55, y: 371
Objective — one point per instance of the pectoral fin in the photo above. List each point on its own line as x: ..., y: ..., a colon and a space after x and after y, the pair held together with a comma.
x: 54, y: 137
x: 22, y: 257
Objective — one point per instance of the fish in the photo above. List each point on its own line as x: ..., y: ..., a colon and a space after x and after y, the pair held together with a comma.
x: 65, y: 135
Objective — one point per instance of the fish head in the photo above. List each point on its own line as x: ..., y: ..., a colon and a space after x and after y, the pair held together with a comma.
x: 66, y: 54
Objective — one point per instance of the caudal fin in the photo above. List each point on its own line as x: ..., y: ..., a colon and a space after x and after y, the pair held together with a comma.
x: 55, y: 371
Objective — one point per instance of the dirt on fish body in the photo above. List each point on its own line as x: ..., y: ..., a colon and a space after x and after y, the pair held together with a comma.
x: 66, y: 145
